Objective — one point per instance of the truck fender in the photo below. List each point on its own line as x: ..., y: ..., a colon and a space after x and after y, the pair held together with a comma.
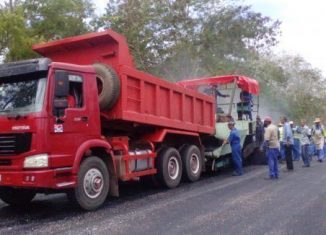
x: 95, y: 143
x: 86, y: 146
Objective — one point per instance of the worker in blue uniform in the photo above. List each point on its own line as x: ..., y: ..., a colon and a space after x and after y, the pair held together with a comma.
x: 296, y: 142
x: 235, y: 142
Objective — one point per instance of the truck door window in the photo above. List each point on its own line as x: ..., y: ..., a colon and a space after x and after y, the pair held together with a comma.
x: 75, y: 97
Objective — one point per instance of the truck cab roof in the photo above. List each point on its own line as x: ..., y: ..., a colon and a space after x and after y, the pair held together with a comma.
x: 24, y: 67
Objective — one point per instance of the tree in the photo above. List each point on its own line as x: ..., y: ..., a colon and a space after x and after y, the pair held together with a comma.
x: 304, y: 90
x: 58, y: 19
x: 210, y: 36
x: 15, y: 42
x: 26, y: 22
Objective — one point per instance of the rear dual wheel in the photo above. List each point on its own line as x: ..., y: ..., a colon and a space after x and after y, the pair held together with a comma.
x: 192, y: 163
x: 169, y: 167
x: 172, y: 166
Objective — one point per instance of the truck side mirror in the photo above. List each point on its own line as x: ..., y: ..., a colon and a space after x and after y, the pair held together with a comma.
x: 61, y: 83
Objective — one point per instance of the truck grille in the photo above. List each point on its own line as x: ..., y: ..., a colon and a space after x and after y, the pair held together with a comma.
x: 13, y: 144
x: 5, y: 162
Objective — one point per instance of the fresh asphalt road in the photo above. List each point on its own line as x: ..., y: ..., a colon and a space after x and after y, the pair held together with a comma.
x: 219, y: 204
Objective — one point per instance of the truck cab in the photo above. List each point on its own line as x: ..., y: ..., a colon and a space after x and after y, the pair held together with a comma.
x: 45, y: 116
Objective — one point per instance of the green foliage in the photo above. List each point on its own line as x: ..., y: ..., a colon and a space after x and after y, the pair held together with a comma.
x: 209, y: 36
x: 59, y: 18
x: 15, y: 42
x: 26, y: 22
x: 304, y: 90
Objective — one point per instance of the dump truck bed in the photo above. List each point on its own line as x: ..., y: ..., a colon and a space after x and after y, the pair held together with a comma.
x: 150, y: 100
x: 144, y: 99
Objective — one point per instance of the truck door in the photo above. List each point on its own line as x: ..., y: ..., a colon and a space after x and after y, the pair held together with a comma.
x: 69, y: 125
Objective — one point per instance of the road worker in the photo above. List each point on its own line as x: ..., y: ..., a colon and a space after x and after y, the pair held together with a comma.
x: 245, y: 106
x: 259, y: 133
x: 235, y: 142
x: 288, y: 142
x: 318, y: 138
x: 213, y: 90
x: 280, y: 138
x: 296, y: 142
x: 304, y: 132
x: 272, y: 146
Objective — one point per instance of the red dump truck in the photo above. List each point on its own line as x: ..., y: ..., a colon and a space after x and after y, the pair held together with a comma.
x: 82, y: 119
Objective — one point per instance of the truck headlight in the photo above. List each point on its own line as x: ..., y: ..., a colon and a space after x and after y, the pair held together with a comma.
x: 37, y: 161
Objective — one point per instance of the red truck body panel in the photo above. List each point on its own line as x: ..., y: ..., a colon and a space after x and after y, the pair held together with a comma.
x: 149, y: 100
x: 244, y: 83
x: 106, y: 47
x: 144, y: 99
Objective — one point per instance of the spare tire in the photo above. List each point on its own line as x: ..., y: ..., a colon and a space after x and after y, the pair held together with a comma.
x: 108, y: 85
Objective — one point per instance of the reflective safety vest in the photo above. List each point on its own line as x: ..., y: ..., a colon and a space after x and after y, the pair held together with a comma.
x: 280, y: 131
x: 296, y: 135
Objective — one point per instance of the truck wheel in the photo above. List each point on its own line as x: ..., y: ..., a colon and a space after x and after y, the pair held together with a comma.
x: 16, y: 196
x: 108, y: 84
x: 169, y: 167
x: 192, y: 163
x: 92, y: 184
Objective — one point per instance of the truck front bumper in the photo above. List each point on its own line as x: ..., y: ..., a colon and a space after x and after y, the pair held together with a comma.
x: 47, y: 179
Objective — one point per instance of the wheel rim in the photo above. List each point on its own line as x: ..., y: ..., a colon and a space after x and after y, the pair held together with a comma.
x: 194, y: 163
x: 93, y: 183
x: 173, y: 168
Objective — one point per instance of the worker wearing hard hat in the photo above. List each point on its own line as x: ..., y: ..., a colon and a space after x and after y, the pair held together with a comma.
x: 318, y: 138
x: 235, y: 142
x: 272, y: 146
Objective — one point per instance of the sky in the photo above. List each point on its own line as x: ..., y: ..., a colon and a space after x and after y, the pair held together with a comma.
x: 302, y: 27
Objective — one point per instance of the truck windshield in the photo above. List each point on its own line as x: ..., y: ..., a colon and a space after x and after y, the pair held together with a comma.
x: 22, y: 96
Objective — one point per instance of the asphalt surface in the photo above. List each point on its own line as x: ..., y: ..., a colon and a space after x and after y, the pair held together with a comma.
x: 219, y: 204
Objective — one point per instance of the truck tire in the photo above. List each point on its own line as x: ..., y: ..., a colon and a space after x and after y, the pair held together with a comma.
x: 108, y: 84
x: 16, y: 196
x: 169, y: 167
x: 192, y: 163
x: 92, y: 184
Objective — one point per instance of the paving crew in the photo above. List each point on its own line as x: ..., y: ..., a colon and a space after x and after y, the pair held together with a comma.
x: 296, y: 142
x: 280, y: 138
x: 288, y: 143
x: 304, y: 132
x: 318, y: 138
x: 272, y: 146
x: 235, y: 142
